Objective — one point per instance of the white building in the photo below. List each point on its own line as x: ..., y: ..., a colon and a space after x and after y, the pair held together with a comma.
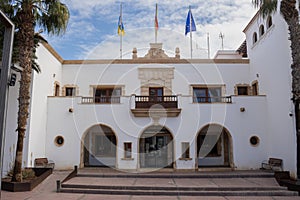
x: 159, y: 111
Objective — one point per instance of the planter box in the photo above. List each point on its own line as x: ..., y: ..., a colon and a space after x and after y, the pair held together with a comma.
x: 41, y: 174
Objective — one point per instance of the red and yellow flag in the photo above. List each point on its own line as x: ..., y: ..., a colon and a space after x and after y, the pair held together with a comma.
x: 156, y: 20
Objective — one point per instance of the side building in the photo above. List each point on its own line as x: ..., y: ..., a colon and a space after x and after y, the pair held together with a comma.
x: 157, y: 111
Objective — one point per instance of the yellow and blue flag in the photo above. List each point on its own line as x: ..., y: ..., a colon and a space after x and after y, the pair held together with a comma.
x: 121, y: 30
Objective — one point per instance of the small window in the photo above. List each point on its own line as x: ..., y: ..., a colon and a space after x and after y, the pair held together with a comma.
x: 211, y: 144
x: 255, y: 89
x: 128, y: 149
x: 56, y: 93
x: 242, y: 90
x: 254, y: 141
x: 261, y: 30
x: 254, y: 37
x: 70, y: 91
x: 185, y: 150
x: 59, y: 140
x: 269, y: 22
x: 207, y: 94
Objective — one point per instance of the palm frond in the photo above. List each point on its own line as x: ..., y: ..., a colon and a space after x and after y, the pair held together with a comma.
x: 54, y: 17
x: 266, y: 7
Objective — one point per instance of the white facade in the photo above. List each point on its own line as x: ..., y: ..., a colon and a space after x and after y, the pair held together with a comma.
x: 262, y: 115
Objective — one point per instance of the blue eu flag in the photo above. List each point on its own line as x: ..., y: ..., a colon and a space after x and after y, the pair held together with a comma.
x: 190, y: 23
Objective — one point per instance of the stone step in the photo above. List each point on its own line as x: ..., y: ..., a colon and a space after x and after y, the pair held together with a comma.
x: 179, y: 192
x: 229, y: 174
x: 174, y: 188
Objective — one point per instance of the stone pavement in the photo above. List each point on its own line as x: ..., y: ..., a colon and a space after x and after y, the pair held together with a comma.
x: 47, y: 189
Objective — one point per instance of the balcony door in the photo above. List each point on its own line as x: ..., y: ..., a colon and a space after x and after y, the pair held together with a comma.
x: 107, y: 95
x: 156, y: 94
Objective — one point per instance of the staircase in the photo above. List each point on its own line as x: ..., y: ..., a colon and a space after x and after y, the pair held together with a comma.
x: 231, y: 183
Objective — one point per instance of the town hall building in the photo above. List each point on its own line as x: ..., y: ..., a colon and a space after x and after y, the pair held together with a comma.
x: 155, y: 111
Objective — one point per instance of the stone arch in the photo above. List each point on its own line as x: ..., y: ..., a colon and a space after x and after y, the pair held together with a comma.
x: 214, y: 147
x: 99, y: 147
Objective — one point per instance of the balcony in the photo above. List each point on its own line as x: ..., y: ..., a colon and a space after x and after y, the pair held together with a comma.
x: 159, y: 106
x: 101, y: 100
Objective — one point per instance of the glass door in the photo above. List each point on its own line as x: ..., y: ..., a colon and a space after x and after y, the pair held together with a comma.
x: 156, y: 94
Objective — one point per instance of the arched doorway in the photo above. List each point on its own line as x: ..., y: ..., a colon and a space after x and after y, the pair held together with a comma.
x: 156, y: 148
x: 99, y: 147
x: 214, y: 147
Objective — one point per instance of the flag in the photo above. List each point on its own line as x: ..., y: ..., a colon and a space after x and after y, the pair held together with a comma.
x: 121, y: 30
x: 156, y: 20
x: 190, y: 23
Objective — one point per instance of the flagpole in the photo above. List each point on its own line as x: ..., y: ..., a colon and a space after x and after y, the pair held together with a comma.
x: 208, y: 47
x: 156, y: 24
x: 121, y: 35
x: 191, y: 43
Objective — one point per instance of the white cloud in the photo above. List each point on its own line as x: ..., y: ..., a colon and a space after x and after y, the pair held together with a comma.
x: 94, y: 23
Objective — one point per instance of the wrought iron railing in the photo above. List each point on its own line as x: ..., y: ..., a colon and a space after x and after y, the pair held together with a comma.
x: 149, y: 101
x: 100, y: 100
x: 212, y: 99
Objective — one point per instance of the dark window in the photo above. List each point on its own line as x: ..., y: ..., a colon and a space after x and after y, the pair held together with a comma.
x: 105, y: 145
x: 254, y: 140
x: 254, y: 89
x: 70, y: 91
x: 185, y: 150
x: 254, y: 37
x: 242, y: 90
x: 269, y: 22
x: 156, y: 94
x: 261, y: 30
x: 128, y: 149
x: 212, y: 144
x: 204, y: 95
x: 107, y: 95
x: 56, y: 90
x: 59, y: 140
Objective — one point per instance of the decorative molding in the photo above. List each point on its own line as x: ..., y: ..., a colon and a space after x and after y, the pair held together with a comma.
x: 157, y: 61
x: 156, y: 77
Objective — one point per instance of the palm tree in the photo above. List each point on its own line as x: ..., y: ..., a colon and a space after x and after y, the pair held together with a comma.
x: 290, y: 14
x: 50, y: 15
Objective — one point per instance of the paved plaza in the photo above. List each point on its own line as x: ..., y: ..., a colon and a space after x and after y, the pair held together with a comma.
x: 47, y: 189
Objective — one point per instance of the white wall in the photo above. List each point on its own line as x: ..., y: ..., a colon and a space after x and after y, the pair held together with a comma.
x: 184, y: 128
x: 10, y: 129
x: 43, y: 86
x: 85, y: 75
x: 270, y: 60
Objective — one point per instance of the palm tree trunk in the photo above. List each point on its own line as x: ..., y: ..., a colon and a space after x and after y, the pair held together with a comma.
x: 26, y: 34
x: 291, y: 16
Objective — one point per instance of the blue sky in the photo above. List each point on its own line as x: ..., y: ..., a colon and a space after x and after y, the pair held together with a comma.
x: 92, y: 30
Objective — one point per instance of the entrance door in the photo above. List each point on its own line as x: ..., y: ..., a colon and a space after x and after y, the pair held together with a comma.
x: 156, y: 150
x: 100, y: 147
x: 156, y: 94
x: 213, y: 147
